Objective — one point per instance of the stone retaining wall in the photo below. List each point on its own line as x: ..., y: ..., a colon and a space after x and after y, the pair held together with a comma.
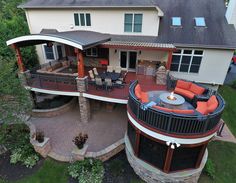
x: 151, y: 174
x: 47, y: 113
x: 108, y: 152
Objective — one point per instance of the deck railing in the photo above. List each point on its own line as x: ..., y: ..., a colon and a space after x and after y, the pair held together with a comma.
x: 173, y: 123
x: 52, y: 82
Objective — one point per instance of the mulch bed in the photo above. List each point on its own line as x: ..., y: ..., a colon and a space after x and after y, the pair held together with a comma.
x: 12, y: 172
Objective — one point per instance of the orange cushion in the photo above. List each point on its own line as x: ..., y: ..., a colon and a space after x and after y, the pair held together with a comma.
x: 137, y: 91
x: 196, y: 89
x: 202, y: 108
x: 184, y: 92
x: 162, y: 108
x: 183, y: 84
x: 212, y: 104
x: 144, y: 97
x: 179, y: 111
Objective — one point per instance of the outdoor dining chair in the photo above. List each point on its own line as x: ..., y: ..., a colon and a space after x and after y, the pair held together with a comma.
x: 99, y: 83
x: 95, y: 71
x: 91, y: 75
x: 118, y: 69
x: 110, y: 68
x: 109, y: 84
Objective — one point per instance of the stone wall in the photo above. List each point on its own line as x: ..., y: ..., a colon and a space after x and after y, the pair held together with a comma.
x: 151, y: 174
x: 84, y: 106
x: 47, y: 113
x: 109, y: 152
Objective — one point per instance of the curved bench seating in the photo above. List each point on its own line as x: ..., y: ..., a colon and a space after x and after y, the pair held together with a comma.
x: 209, y: 106
x: 188, y: 89
x: 177, y: 111
x: 142, y: 96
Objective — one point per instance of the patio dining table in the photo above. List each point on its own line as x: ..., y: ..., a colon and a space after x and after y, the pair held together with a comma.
x: 114, y: 76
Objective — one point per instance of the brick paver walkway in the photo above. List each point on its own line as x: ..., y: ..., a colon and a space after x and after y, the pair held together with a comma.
x: 104, y: 129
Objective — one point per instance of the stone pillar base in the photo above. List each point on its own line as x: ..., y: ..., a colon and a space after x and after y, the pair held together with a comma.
x: 82, y: 84
x: 84, y: 109
x: 79, y: 154
x: 151, y: 174
x: 42, y: 148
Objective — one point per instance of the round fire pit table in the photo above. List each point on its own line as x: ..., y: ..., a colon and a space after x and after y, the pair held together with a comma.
x: 178, y: 99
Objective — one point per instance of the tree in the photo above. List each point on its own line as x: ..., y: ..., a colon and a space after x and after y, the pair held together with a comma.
x: 14, y: 99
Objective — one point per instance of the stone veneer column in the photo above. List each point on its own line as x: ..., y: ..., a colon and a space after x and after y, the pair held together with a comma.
x: 84, y: 107
x: 161, y: 76
x: 84, y: 104
x: 23, y: 76
x: 82, y: 84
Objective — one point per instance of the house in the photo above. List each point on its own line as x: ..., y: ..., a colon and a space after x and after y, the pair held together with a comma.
x: 154, y: 42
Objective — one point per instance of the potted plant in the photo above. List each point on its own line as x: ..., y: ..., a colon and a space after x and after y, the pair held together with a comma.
x: 80, y: 140
x: 40, y: 136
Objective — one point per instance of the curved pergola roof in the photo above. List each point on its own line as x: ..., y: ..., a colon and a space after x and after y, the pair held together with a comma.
x: 78, y: 39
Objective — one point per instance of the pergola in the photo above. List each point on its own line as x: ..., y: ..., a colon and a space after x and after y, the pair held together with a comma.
x: 80, y: 40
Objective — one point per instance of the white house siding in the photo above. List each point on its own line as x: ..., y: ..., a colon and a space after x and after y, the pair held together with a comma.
x: 213, y: 69
x: 114, y: 57
x: 104, y: 21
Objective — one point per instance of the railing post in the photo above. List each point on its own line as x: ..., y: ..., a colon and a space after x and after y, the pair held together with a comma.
x: 138, y: 110
x: 221, y: 129
x: 40, y: 84
x: 169, y: 123
x: 206, y: 124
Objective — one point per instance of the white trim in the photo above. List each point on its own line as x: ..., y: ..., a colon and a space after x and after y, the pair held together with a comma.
x: 167, y: 138
x: 53, y: 92
x: 46, y: 38
x: 106, y: 99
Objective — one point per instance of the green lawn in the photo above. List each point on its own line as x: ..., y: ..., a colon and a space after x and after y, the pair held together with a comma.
x: 229, y: 94
x: 223, y: 154
x: 50, y: 172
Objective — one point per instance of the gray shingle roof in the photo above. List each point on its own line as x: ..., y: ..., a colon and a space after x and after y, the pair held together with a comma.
x: 217, y: 34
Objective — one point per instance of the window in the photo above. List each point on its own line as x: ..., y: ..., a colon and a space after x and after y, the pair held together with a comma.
x: 133, y: 22
x: 176, y: 21
x: 92, y: 52
x: 152, y: 152
x: 200, y: 21
x: 82, y: 19
x: 49, y: 52
x: 186, y: 61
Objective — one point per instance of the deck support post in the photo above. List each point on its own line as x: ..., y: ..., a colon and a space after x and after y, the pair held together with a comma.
x: 84, y: 106
x: 169, y: 61
x: 82, y: 84
x: 19, y: 58
x: 80, y: 60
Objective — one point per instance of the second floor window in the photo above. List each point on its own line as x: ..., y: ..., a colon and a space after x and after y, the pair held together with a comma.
x: 186, y: 61
x: 82, y: 19
x: 133, y: 22
x: 92, y: 52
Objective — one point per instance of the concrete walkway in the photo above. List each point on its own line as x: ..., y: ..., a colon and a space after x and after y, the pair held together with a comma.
x: 104, y: 129
x: 226, y: 135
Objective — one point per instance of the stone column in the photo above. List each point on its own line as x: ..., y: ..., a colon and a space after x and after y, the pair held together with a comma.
x: 82, y: 84
x: 161, y: 76
x: 84, y: 107
x: 23, y: 77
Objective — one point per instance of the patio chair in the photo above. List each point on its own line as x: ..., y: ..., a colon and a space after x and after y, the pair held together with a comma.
x: 92, y: 78
x: 99, y: 83
x: 110, y: 68
x: 109, y: 84
x: 122, y: 79
x: 95, y: 71
x: 118, y: 69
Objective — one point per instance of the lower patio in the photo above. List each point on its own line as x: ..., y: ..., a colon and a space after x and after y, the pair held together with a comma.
x: 103, y: 130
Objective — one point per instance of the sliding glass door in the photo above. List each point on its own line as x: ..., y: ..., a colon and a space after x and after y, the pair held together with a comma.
x: 128, y: 60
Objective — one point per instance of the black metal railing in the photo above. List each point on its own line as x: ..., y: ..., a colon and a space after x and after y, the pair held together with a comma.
x: 172, y: 123
x: 52, y: 82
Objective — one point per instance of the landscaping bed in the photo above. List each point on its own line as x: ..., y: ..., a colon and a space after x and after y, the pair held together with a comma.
x: 55, y: 102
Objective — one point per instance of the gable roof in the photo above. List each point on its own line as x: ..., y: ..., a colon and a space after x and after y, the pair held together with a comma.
x: 217, y: 33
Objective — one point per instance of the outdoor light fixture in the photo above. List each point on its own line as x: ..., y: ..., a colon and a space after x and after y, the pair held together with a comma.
x: 115, y: 50
x: 172, y: 144
x: 140, y: 52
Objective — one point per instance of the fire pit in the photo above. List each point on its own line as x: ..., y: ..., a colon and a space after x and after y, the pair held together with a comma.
x: 172, y: 98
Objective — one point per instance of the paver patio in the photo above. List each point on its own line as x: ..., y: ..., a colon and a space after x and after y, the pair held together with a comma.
x: 104, y: 128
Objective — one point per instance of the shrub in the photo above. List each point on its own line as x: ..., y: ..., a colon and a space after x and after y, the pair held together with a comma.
x: 80, y: 140
x: 87, y: 171
x: 209, y: 168
x: 116, y: 167
x: 17, y: 140
x: 40, y: 136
